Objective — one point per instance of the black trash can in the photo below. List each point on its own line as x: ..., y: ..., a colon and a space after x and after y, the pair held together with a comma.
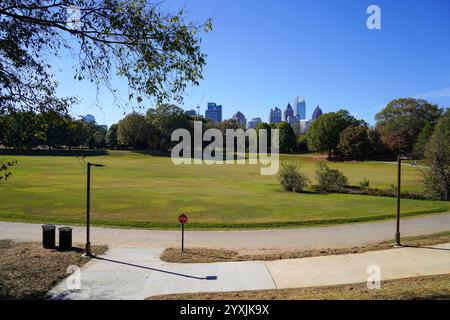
x: 48, y: 236
x: 65, y: 239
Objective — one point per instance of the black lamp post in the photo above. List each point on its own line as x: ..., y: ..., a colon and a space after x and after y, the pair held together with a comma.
x: 88, y: 207
x: 399, y: 173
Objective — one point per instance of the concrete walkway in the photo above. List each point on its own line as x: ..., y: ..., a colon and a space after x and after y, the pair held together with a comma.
x: 281, y: 239
x: 126, y: 273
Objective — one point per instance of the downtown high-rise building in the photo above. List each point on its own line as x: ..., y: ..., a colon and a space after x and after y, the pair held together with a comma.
x: 214, y: 112
x: 300, y: 108
x: 275, y: 115
x: 317, y: 113
x: 240, y: 119
x: 252, y: 124
x: 288, y: 112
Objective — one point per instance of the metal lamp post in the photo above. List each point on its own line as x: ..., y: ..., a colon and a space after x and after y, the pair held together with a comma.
x: 88, y: 207
x: 399, y: 173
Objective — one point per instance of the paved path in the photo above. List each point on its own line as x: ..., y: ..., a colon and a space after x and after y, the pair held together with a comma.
x: 282, y: 239
x: 127, y: 273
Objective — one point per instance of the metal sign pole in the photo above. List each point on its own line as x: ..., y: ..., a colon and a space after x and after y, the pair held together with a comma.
x: 182, y: 237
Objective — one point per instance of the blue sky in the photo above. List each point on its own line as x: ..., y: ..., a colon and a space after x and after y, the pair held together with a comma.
x: 263, y: 53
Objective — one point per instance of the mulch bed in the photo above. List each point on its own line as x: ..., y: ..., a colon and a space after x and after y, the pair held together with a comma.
x: 28, y: 271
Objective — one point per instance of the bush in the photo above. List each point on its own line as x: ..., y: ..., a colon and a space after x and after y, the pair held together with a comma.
x: 364, y: 184
x: 292, y: 179
x: 329, y: 179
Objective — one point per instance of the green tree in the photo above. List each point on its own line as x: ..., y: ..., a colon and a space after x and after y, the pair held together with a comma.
x: 111, y: 137
x: 22, y: 130
x: 165, y: 119
x: 78, y: 133
x: 324, y: 133
x: 287, y: 137
x: 354, y: 142
x: 156, y: 51
x: 422, y: 140
x: 437, y: 156
x: 97, y: 140
x: 302, y: 143
x: 267, y: 127
x: 53, y: 128
x: 402, y: 120
x: 134, y: 131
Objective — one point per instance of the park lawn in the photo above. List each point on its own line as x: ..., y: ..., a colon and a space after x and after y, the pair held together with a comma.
x: 136, y: 190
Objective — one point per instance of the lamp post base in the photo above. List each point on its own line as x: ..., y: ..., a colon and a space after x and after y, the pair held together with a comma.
x: 397, y: 243
x: 88, y: 250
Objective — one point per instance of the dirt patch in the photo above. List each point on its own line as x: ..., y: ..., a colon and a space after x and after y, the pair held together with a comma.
x: 429, y: 287
x: 27, y: 271
x: 204, y: 255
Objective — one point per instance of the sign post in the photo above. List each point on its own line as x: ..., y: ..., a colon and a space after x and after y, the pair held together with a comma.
x: 182, y: 219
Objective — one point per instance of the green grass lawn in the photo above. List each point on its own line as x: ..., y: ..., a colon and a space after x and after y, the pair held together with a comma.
x: 143, y: 191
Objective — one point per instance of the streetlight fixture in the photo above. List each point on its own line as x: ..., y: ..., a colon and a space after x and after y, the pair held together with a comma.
x: 399, y: 173
x: 88, y: 207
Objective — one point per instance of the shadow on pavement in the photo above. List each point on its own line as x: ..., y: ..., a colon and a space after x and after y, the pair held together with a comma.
x: 157, y: 270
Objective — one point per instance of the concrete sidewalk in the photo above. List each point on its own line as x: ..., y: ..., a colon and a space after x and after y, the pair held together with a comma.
x: 137, y: 273
x: 280, y: 239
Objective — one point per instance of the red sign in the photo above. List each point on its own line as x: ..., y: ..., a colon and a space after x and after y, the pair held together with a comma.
x: 182, y: 218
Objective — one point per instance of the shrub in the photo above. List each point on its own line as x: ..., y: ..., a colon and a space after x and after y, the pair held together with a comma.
x: 329, y: 179
x: 364, y: 184
x: 292, y: 179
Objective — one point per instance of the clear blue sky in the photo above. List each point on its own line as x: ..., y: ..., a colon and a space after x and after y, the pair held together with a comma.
x: 262, y: 54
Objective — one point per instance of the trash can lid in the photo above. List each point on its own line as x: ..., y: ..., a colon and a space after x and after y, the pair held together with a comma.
x: 48, y: 227
x: 65, y: 229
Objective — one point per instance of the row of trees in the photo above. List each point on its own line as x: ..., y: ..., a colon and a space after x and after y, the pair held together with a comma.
x: 26, y: 130
x: 403, y: 127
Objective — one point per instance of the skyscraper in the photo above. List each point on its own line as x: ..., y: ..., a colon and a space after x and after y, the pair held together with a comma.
x: 289, y: 112
x: 252, y: 124
x: 191, y: 113
x: 300, y: 108
x: 240, y: 118
x: 317, y: 113
x: 214, y: 112
x: 275, y: 115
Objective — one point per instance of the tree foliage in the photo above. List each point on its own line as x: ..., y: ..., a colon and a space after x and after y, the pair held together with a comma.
x: 354, y: 142
x: 111, y: 137
x: 287, y: 137
x: 156, y: 51
x: 134, y: 131
x: 437, y: 156
x: 324, y: 133
x: 402, y: 120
